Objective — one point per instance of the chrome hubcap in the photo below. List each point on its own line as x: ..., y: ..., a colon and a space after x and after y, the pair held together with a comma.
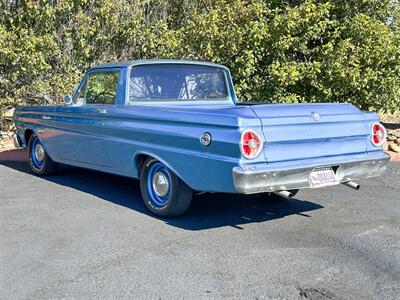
x: 160, y: 184
x: 39, y: 152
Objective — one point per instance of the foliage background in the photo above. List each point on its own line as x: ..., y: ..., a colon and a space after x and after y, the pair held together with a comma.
x: 277, y: 50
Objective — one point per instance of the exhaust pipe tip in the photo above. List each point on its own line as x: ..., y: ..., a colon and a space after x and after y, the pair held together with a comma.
x: 284, y: 194
x: 352, y: 185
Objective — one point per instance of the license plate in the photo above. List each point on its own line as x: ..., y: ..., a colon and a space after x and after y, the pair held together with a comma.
x: 322, y: 177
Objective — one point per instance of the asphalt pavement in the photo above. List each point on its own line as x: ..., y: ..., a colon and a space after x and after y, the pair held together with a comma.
x: 87, y: 235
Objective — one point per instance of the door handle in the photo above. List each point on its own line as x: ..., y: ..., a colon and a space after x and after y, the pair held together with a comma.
x: 101, y: 111
x: 46, y: 118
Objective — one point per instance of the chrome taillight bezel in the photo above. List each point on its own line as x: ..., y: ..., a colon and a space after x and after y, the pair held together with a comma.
x: 372, y: 134
x: 260, y: 146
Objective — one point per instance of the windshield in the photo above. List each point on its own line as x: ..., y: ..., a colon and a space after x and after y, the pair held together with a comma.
x: 155, y: 83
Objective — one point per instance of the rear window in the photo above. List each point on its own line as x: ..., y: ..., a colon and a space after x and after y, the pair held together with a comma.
x: 163, y: 83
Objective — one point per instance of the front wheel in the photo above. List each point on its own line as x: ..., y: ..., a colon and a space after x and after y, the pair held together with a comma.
x: 164, y: 194
x: 39, y: 160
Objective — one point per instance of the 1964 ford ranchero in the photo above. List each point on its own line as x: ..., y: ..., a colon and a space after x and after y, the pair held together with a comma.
x: 178, y: 127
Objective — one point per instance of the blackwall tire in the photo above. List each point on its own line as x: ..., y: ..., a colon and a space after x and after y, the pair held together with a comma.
x: 39, y: 161
x: 163, y: 193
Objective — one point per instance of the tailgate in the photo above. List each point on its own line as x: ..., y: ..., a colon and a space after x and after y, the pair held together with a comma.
x: 303, y: 131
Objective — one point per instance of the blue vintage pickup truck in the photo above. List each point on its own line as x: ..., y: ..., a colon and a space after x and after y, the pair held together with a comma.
x: 178, y: 127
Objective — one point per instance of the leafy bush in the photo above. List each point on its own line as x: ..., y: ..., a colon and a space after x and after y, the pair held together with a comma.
x: 278, y: 51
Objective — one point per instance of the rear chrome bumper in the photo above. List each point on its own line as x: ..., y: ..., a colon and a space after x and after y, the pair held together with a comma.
x: 272, y: 177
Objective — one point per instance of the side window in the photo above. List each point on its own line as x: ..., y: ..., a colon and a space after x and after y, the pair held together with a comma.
x: 100, y: 88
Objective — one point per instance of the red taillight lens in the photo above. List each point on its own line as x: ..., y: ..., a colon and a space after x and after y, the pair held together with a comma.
x: 378, y: 134
x: 251, y: 144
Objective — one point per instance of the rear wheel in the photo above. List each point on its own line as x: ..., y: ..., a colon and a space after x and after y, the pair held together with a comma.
x: 163, y: 193
x: 39, y: 160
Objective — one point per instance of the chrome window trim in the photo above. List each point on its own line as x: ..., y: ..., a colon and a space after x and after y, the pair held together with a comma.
x: 227, y: 99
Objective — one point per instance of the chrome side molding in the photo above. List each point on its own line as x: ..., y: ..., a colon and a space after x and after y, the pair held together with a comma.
x: 352, y: 185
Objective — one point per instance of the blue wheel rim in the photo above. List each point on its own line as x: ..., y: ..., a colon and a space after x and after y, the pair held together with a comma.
x: 37, y: 163
x: 158, y: 170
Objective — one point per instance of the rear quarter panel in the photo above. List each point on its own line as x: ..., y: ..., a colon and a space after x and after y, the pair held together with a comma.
x: 172, y: 135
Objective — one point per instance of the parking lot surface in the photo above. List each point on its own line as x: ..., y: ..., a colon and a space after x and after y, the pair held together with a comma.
x: 87, y: 235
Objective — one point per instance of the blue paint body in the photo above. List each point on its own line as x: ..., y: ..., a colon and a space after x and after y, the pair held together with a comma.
x: 170, y: 132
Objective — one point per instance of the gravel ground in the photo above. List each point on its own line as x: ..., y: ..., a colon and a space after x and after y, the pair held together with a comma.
x: 87, y: 235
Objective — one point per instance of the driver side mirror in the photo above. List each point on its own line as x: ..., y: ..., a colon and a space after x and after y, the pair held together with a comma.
x: 67, y: 99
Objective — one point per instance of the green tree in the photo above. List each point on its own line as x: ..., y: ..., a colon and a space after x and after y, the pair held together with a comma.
x: 278, y: 50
